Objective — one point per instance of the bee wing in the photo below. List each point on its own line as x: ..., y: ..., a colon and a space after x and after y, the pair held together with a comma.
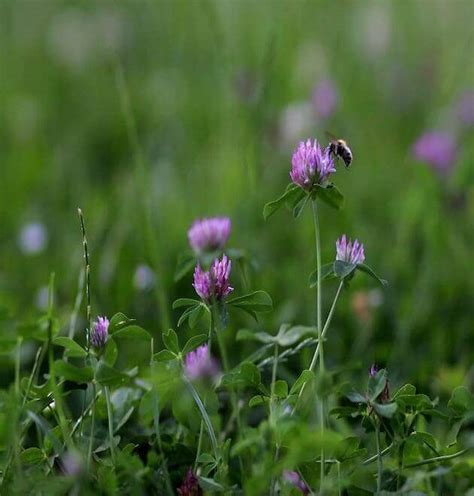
x: 330, y: 136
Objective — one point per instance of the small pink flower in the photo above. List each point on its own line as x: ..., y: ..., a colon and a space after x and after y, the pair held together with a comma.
x: 213, y: 284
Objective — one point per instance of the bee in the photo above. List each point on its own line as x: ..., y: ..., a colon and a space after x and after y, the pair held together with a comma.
x: 340, y: 149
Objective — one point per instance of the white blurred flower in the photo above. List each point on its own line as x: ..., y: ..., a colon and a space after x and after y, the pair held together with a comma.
x: 42, y: 297
x: 372, y: 28
x: 144, y: 278
x: 296, y: 120
x: 33, y: 238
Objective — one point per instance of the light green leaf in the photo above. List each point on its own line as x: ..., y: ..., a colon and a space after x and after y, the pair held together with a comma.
x: 365, y: 268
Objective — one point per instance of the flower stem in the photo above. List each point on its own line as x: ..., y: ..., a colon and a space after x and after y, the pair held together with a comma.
x: 156, y: 423
x: 320, y: 334
x: 323, y: 335
x: 272, y: 396
x: 379, y: 458
x: 110, y: 422
x: 201, y: 428
x: 204, y: 415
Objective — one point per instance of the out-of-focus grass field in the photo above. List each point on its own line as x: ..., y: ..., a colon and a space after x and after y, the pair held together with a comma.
x: 150, y: 114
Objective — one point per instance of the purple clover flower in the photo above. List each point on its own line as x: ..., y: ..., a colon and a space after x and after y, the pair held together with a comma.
x: 311, y: 164
x: 294, y: 479
x: 348, y: 251
x: 438, y: 149
x: 209, y: 234
x: 465, y: 108
x: 373, y: 370
x: 190, y: 485
x: 325, y: 98
x: 100, y: 332
x: 213, y: 284
x: 200, y: 364
x: 33, y: 238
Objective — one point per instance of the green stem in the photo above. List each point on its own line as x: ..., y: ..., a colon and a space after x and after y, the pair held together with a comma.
x: 110, y: 422
x: 201, y: 428
x: 156, y: 424
x: 375, y: 457
x: 379, y: 458
x: 91, y: 438
x: 323, y: 335
x: 272, y: 397
x: 18, y: 366
x: 204, y: 415
x: 317, y: 239
x: 437, y: 459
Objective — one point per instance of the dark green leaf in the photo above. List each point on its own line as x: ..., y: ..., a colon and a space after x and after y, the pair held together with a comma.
x: 385, y: 410
x: 299, y: 207
x: 111, y: 352
x: 258, y: 301
x: 304, y: 377
x: 73, y: 373
x: 185, y: 302
x: 327, y: 272
x: 170, y: 340
x: 186, y: 263
x: 343, y: 269
x: 249, y: 335
x: 365, y: 268
x: 281, y: 389
x: 288, y: 336
x: 132, y: 332
x: 356, y: 397
x: 461, y: 401
x: 108, y: 376
x: 73, y: 349
x: 330, y: 195
x: 292, y: 192
x: 164, y: 356
x: 257, y: 400
x: 118, y: 321
x: 377, y: 384
x: 194, y: 342
x: 32, y: 456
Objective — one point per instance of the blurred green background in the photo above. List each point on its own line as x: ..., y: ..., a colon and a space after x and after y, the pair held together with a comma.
x: 148, y: 114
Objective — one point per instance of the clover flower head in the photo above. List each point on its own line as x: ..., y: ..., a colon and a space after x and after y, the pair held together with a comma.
x: 294, y: 479
x: 348, y: 251
x: 213, y: 284
x: 100, y: 332
x: 200, y: 364
x: 311, y: 164
x: 209, y: 234
x: 438, y: 149
x: 190, y: 485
